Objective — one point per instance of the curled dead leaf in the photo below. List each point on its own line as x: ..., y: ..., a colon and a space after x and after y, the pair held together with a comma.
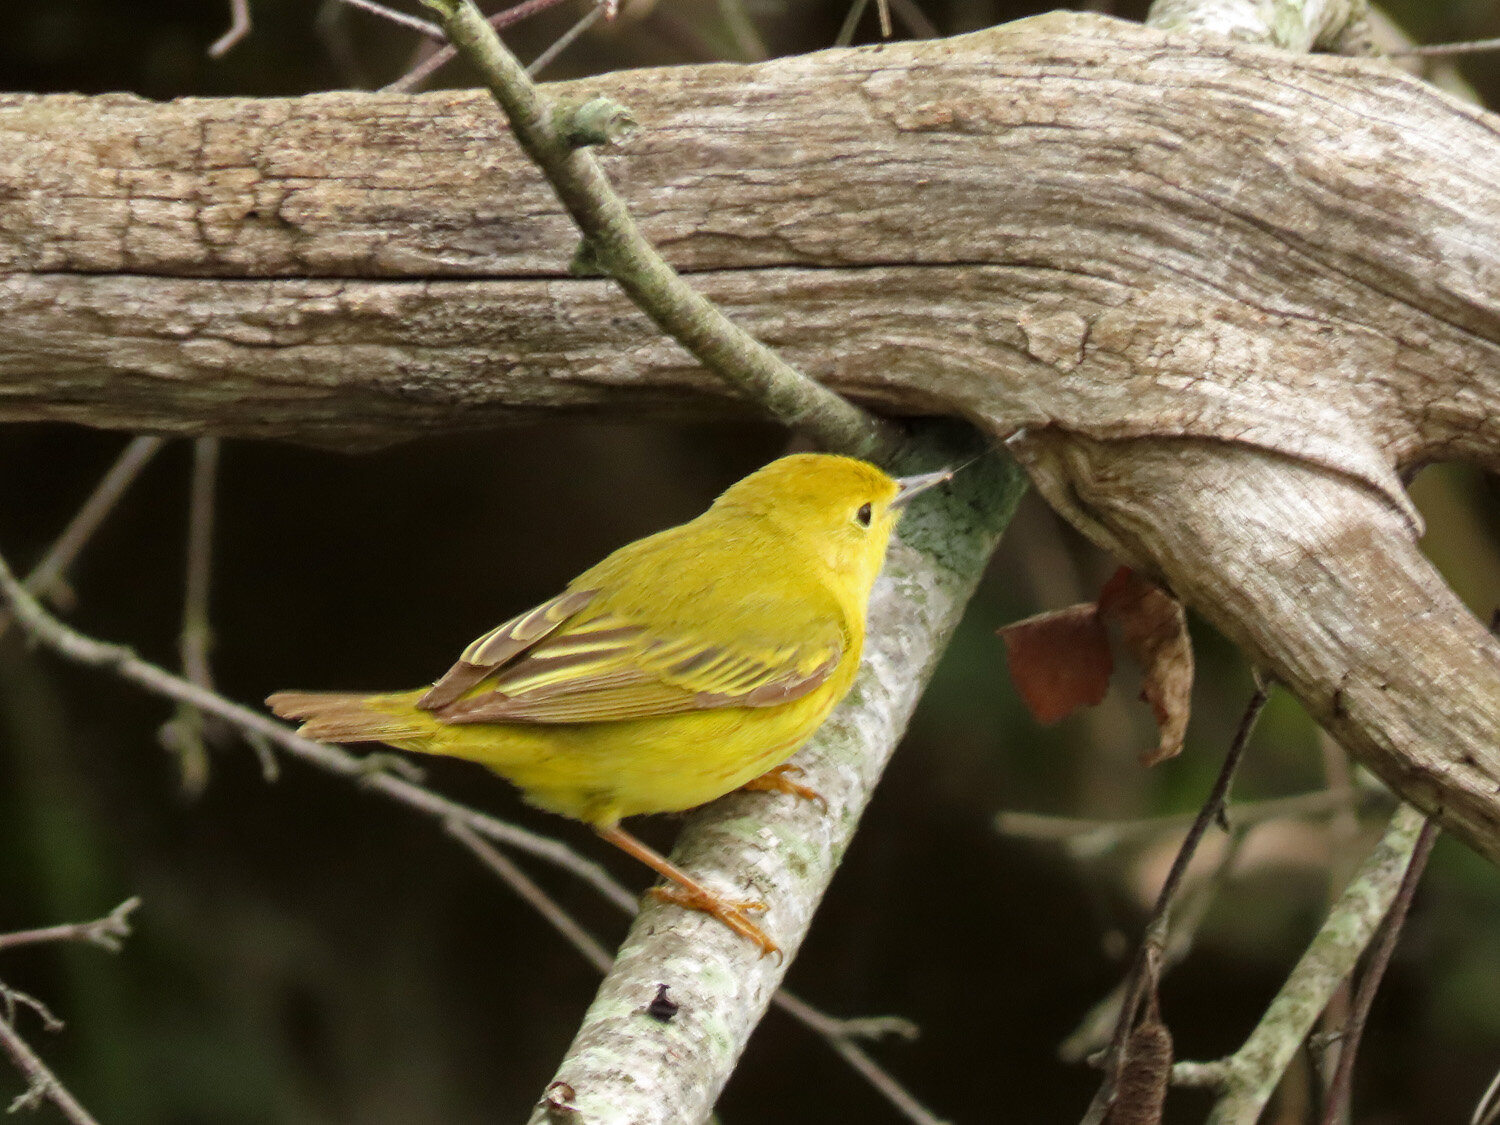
x: 1153, y: 627
x: 1061, y: 660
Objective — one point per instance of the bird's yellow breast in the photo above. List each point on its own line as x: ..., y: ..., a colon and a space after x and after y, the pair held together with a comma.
x: 602, y: 772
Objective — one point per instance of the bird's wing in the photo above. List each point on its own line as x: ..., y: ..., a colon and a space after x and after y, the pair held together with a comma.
x: 501, y: 644
x: 609, y: 667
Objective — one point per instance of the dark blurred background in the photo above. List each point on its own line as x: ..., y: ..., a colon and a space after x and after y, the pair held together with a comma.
x: 308, y: 952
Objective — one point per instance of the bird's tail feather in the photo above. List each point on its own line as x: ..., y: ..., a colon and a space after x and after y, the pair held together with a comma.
x: 332, y: 716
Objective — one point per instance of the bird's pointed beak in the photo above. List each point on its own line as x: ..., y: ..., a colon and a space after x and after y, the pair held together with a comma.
x: 911, y: 486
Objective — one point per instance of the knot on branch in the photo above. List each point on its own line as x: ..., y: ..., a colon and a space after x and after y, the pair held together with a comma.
x: 598, y: 121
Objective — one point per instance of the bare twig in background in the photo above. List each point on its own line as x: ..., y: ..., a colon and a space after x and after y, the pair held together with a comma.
x: 841, y: 1035
x: 1088, y: 839
x: 851, y: 23
x: 239, y: 27
x: 500, y: 20
x: 1340, y: 1091
x: 564, y: 41
x: 1098, y: 1024
x: 185, y: 735
x: 107, y: 932
x: 332, y: 29
x: 416, y: 23
x: 1343, y: 859
x: 48, y: 579
x: 915, y: 19
x: 742, y: 29
x: 1157, y: 928
x: 1438, y: 50
x: 1488, y: 1109
x: 533, y: 895
x: 41, y: 1084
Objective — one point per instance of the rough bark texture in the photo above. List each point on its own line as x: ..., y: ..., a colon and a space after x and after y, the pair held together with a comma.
x: 1220, y: 295
x: 1068, y: 221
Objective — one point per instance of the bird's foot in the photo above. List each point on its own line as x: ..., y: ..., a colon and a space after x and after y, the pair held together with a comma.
x: 779, y: 780
x: 732, y: 912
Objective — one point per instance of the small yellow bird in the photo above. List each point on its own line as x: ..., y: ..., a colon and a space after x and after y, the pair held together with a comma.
x: 685, y: 665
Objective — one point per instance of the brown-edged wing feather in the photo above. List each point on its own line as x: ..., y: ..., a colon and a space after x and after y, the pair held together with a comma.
x: 502, y: 643
x: 607, y: 669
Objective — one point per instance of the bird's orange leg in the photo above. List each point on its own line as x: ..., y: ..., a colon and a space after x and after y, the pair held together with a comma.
x: 779, y: 780
x: 689, y: 893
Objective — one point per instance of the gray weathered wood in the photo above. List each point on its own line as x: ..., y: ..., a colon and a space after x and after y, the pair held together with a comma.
x: 1068, y: 220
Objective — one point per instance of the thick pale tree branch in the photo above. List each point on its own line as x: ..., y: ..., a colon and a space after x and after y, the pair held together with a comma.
x: 1068, y: 221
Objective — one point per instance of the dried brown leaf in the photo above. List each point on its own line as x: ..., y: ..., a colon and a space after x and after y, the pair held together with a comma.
x: 1153, y: 627
x: 1059, y: 661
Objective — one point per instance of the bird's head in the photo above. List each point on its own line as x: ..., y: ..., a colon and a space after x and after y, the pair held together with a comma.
x: 841, y: 509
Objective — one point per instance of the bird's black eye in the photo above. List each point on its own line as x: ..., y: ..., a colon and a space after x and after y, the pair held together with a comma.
x: 863, y: 516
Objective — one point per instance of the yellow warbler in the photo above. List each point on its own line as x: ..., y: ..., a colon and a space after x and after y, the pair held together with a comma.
x: 686, y: 664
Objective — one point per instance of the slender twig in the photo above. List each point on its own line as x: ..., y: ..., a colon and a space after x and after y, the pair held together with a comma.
x: 41, y: 1083
x: 49, y: 577
x: 14, y: 998
x: 1438, y: 50
x: 239, y: 27
x: 616, y: 246
x: 837, y: 1036
x: 915, y: 19
x: 1097, y: 1026
x: 533, y: 895
x: 447, y: 53
x: 851, y: 23
x: 742, y: 30
x: 1343, y: 831
x: 1340, y: 1089
x: 1247, y: 1078
x: 421, y: 72
x: 107, y: 932
x: 1488, y: 1109
x: 196, y: 632
x: 1085, y: 838
x: 564, y: 41
x: 1157, y: 926
x: 332, y: 28
x: 416, y: 23
x: 187, y: 732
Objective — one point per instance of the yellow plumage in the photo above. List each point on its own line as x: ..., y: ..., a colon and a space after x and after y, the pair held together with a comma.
x: 683, y: 666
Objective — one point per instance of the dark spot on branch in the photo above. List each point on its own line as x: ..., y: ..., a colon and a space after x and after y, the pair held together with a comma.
x: 662, y: 1009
